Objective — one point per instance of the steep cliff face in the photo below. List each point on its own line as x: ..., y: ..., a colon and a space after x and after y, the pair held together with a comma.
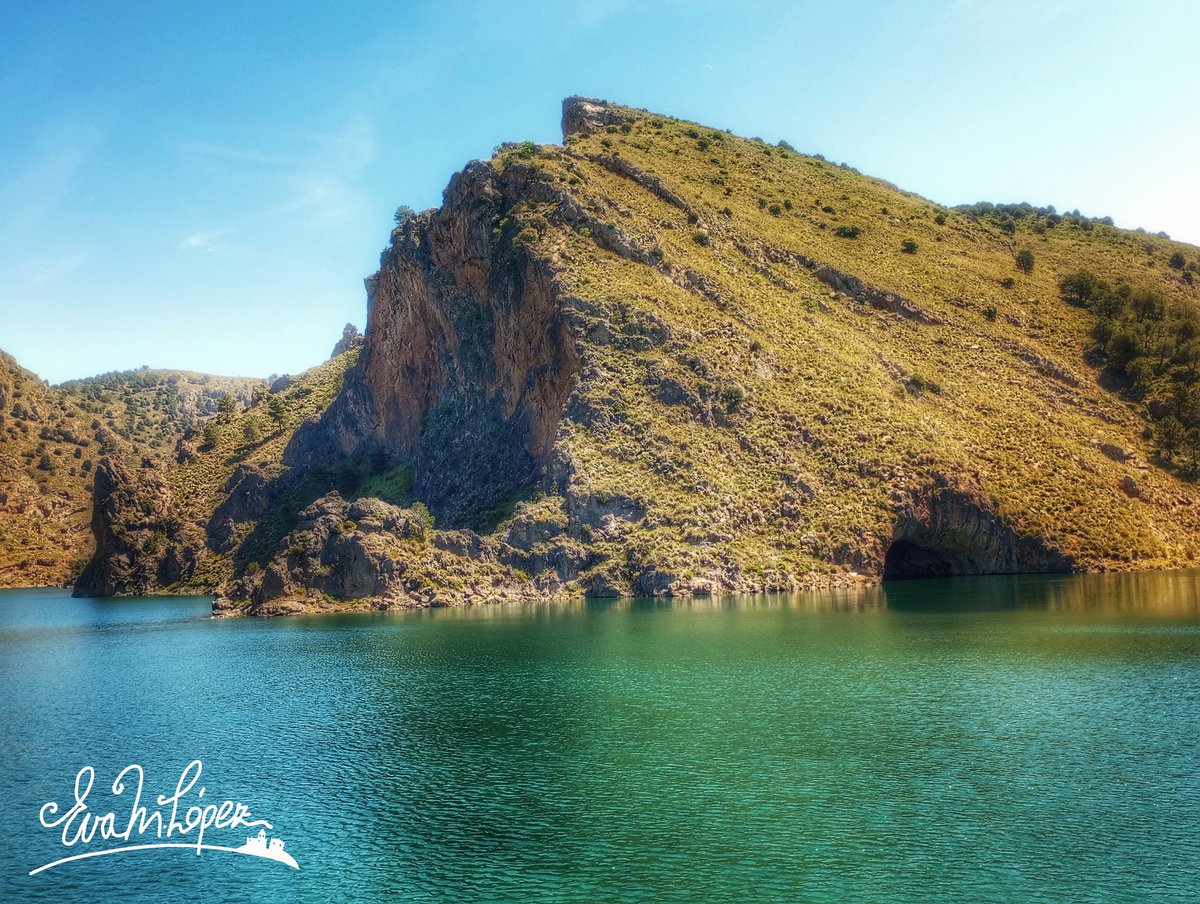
x: 659, y: 359
x: 142, y: 545
x: 468, y: 360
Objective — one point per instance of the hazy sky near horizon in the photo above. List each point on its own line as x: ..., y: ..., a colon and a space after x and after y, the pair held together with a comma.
x: 204, y: 186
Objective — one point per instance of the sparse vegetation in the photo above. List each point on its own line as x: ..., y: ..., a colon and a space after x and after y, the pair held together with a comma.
x: 1153, y: 343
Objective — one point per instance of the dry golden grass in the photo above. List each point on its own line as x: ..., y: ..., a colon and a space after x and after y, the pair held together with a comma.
x: 839, y: 409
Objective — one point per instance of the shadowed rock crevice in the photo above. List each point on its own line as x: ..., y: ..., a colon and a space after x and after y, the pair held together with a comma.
x: 906, y: 560
x: 947, y: 529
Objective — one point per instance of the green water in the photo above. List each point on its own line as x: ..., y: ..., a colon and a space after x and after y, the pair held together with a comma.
x: 1000, y: 739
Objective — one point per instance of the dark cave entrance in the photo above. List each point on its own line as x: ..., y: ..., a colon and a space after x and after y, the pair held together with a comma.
x: 907, y: 561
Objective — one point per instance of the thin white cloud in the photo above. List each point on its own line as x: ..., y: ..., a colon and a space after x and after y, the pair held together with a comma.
x: 317, y: 185
x: 31, y: 283
x: 986, y: 17
x: 39, y: 188
x: 591, y: 13
x: 202, y: 241
x: 210, y: 152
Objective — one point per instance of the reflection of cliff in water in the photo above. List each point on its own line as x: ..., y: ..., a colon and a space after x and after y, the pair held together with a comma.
x: 1150, y: 593
x: 1147, y: 592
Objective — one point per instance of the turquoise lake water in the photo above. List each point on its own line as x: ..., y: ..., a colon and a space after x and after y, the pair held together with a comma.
x: 994, y: 739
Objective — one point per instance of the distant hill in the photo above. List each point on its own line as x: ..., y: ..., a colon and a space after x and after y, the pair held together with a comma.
x: 154, y: 408
x: 52, y: 438
x: 662, y: 359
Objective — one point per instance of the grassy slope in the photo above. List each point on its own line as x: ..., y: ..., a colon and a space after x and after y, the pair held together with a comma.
x: 199, y: 483
x: 831, y: 430
x: 44, y: 510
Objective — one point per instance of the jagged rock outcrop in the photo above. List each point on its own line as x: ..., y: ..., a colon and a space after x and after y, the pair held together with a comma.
x: 369, y: 554
x: 875, y: 297
x: 468, y: 360
x: 141, y: 543
x: 351, y: 338
x: 587, y: 115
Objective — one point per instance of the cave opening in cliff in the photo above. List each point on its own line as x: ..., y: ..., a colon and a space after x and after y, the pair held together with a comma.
x: 907, y: 560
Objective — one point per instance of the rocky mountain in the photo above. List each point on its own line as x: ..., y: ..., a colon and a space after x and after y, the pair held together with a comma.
x: 661, y: 359
x: 54, y: 440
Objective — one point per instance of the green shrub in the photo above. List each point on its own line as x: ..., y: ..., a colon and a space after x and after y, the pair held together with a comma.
x: 210, y: 436
x: 1177, y: 261
x: 909, y: 246
x: 701, y: 238
x: 1080, y: 288
x: 421, y: 511
x: 1024, y: 260
x: 847, y: 232
x: 526, y: 237
x: 919, y: 384
x: 1169, y: 435
x: 732, y: 396
x: 251, y: 432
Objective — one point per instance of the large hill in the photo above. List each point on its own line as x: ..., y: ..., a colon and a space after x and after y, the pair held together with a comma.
x: 662, y: 359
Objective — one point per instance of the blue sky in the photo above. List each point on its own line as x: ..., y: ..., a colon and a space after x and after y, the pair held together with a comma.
x: 205, y: 186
